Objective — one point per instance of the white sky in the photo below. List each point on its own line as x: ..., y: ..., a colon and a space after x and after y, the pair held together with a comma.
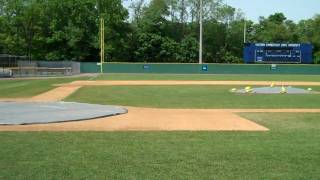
x: 295, y: 10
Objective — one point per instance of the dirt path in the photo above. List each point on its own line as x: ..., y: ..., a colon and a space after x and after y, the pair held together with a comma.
x: 57, y: 94
x: 128, y: 83
x: 54, y: 95
x: 149, y: 119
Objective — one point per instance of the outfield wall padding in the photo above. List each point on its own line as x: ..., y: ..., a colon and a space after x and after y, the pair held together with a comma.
x: 88, y: 67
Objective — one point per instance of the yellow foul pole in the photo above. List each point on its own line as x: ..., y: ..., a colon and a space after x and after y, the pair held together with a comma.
x: 101, y: 44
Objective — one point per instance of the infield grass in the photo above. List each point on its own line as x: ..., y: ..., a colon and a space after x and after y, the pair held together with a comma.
x: 191, y: 96
x: 30, y: 87
x: 290, y: 150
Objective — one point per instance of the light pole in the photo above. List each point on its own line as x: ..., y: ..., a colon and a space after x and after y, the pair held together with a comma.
x: 101, y: 44
x: 101, y: 35
x: 200, y: 37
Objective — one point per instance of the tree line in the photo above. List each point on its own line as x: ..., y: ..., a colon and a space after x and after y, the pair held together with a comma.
x: 158, y: 31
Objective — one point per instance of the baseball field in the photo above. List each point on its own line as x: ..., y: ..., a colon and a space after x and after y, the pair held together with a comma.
x: 177, y: 127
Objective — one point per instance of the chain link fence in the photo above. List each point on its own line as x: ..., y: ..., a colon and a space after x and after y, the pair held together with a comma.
x: 19, y: 66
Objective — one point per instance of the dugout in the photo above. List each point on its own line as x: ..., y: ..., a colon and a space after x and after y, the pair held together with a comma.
x: 21, y: 66
x: 285, y: 53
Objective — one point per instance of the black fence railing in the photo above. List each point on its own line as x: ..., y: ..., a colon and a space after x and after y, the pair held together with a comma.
x: 8, y: 60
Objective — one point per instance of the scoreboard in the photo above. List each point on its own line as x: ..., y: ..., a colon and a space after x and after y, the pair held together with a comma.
x: 277, y: 53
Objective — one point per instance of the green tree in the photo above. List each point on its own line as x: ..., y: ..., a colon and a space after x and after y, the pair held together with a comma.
x: 159, y: 31
x: 2, y: 36
x: 188, y: 50
x: 154, y: 18
x: 273, y: 29
x: 235, y: 38
x: 12, y: 30
x: 137, y: 7
x: 154, y: 48
x: 277, y: 18
x: 308, y: 32
x: 214, y: 38
x: 30, y: 24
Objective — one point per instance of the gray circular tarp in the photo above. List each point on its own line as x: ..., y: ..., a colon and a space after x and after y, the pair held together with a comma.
x: 15, y: 113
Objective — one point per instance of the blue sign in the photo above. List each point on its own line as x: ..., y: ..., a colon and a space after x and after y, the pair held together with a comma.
x: 146, y: 67
x: 205, y: 68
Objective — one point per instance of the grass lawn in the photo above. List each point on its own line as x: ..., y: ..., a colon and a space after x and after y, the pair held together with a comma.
x: 29, y: 87
x: 190, y: 96
x: 215, y: 77
x: 290, y: 150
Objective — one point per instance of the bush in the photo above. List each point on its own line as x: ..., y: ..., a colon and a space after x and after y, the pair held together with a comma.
x: 188, y: 50
x: 228, y: 57
x: 155, y: 48
x: 316, y: 59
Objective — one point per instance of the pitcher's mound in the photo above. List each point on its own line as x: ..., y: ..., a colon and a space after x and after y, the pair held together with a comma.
x: 275, y: 90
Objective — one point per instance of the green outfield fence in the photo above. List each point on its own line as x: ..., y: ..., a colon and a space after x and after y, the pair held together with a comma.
x: 89, y: 67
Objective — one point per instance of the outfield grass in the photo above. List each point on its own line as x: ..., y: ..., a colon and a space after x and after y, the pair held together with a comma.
x: 190, y: 96
x: 29, y: 87
x: 215, y: 77
x: 290, y: 150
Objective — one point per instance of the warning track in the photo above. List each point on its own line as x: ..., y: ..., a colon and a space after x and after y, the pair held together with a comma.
x: 134, y: 83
